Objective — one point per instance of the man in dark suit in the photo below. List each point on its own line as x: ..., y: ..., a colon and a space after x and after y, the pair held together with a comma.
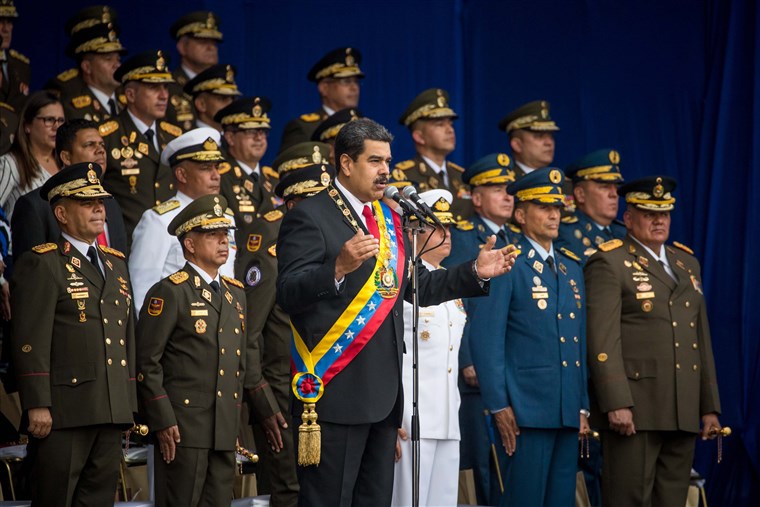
x: 76, y: 141
x: 343, y: 277
x: 73, y: 348
x: 650, y: 355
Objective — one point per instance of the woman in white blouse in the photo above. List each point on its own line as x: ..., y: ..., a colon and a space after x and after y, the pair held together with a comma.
x: 31, y: 159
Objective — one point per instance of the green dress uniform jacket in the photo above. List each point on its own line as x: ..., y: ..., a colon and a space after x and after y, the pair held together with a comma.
x: 77, y: 98
x: 8, y: 126
x: 73, y: 336
x: 15, y: 89
x: 299, y: 130
x: 135, y: 176
x: 424, y: 177
x: 648, y: 338
x: 192, y: 345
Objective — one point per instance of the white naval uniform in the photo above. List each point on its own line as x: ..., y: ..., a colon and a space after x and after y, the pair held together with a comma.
x: 440, y: 334
x: 156, y: 254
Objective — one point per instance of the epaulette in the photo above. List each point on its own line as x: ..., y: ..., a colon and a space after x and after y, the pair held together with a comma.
x: 112, y: 251
x: 68, y: 75
x: 7, y: 106
x: 465, y: 225
x: 179, y: 277
x: 273, y: 215
x: 108, y: 128
x: 81, y: 101
x: 122, y: 99
x: 223, y: 167
x: 232, y: 281
x: 406, y: 164
x: 166, y: 206
x: 570, y: 254
x: 310, y: 117
x: 514, y: 228
x: 270, y: 172
x: 398, y: 174
x: 229, y: 212
x: 570, y: 219
x: 455, y: 166
x: 683, y: 247
x: 44, y: 248
x: 610, y: 245
x: 170, y: 129
x: 18, y: 56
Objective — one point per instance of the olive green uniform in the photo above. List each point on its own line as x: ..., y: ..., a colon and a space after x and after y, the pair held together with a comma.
x: 299, y: 130
x: 14, y: 89
x: 179, y: 111
x: 77, y: 98
x: 8, y: 126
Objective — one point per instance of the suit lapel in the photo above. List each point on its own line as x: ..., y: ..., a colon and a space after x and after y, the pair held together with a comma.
x: 680, y: 270
x: 81, y: 264
x: 204, y: 290
x: 533, y: 259
x: 351, y: 210
x: 140, y: 138
x: 641, y: 257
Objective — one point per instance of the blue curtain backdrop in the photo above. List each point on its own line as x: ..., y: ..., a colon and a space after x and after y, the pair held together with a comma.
x: 672, y: 84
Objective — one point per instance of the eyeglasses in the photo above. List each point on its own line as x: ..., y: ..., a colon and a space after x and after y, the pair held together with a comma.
x: 49, y: 121
x: 255, y: 133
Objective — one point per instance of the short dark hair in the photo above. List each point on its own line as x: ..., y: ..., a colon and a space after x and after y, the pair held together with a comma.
x: 350, y: 139
x: 64, y: 137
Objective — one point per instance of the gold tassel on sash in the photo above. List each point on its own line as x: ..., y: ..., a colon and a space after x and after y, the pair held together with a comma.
x: 309, y: 437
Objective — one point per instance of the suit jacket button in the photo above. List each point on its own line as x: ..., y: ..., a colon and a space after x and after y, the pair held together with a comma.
x: 219, y: 394
x: 108, y: 341
x: 694, y: 346
x: 123, y: 362
x: 395, y: 313
x: 564, y: 363
x: 110, y: 361
x: 221, y: 373
x: 237, y: 352
x: 187, y: 402
x: 694, y: 367
x: 74, y: 380
x: 678, y: 366
x: 578, y: 364
x: 235, y: 395
x: 562, y: 339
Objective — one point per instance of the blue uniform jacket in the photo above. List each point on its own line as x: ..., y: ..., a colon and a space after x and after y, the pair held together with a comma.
x: 528, y: 341
x: 579, y: 234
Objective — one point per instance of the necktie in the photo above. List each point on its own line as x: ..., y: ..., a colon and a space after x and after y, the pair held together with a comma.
x: 668, y: 271
x: 502, y: 234
x: 215, y: 285
x: 371, y: 223
x: 93, y: 256
x: 607, y: 233
x: 112, y: 108
x: 150, y: 134
x: 550, y: 262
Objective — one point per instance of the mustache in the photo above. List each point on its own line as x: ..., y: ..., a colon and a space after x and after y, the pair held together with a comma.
x: 382, y: 180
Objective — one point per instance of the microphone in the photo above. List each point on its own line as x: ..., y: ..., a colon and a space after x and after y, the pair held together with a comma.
x: 393, y: 193
x: 411, y: 194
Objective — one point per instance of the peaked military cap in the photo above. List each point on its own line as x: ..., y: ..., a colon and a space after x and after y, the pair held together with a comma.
x: 218, y: 79
x: 493, y: 169
x: 7, y: 9
x: 100, y: 38
x: 78, y: 181
x: 198, y: 24
x: 199, y: 145
x: 203, y: 214
x: 89, y: 17
x: 439, y: 200
x: 432, y: 103
x: 245, y: 113
x: 600, y: 165
x: 340, y: 62
x: 532, y: 116
x: 542, y: 186
x: 652, y: 193
x: 146, y: 67
x: 330, y: 126
x: 301, y: 155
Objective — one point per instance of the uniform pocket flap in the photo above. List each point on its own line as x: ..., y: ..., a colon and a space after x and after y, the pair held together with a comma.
x: 636, y: 369
x: 73, y: 375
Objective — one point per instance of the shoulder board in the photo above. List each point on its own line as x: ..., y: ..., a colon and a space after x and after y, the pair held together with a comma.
x: 610, y: 245
x: 18, y: 56
x: 406, y: 164
x: 454, y: 166
x: 166, y: 206
x: 683, y: 247
x: 112, y: 251
x: 232, y: 281
x: 570, y: 219
x: 270, y: 172
x: 229, y: 212
x: 179, y: 277
x: 122, y: 99
x: 570, y: 254
x: 514, y: 228
x: 108, y: 128
x: 223, y: 167
x: 68, y: 75
x: 310, y: 117
x: 81, y: 101
x: 170, y: 129
x: 44, y: 248
x: 7, y: 106
x: 465, y: 225
x: 273, y: 215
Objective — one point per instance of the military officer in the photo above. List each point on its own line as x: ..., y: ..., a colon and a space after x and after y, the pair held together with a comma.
x: 439, y: 337
x: 16, y: 73
x: 531, y: 136
x: 212, y: 90
x: 531, y: 353
x: 135, y: 138
x: 9, y: 123
x: 650, y: 356
x: 595, y: 177
x: 73, y: 347
x: 197, y: 35
x: 192, y: 349
x: 337, y: 76
x: 303, y: 182
x: 328, y: 130
x: 194, y: 157
x: 488, y: 177
x: 430, y: 121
